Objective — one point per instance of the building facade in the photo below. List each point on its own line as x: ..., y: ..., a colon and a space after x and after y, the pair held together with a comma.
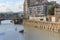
x: 26, y: 9
x: 37, y: 18
x: 57, y: 14
x: 38, y: 8
x: 35, y: 7
x: 33, y: 1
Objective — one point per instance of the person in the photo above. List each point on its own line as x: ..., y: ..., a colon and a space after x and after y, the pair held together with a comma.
x: 16, y: 29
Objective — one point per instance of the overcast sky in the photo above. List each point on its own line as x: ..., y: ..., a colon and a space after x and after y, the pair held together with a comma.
x: 13, y: 5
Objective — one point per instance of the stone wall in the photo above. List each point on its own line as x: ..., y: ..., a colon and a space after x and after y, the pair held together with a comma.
x: 52, y: 26
x: 37, y: 18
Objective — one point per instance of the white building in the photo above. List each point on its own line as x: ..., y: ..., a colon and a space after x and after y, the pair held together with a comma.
x: 37, y: 18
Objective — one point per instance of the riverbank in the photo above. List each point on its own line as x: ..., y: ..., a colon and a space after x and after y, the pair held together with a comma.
x: 51, y: 26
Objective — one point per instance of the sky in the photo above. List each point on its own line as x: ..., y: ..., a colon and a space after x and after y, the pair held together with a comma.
x: 13, y: 5
x: 58, y: 1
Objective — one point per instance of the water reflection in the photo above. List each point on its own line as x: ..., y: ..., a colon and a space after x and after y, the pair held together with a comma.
x: 2, y: 33
x: 5, y: 21
x: 7, y: 31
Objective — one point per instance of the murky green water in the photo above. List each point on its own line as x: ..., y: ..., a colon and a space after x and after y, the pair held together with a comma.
x: 41, y: 34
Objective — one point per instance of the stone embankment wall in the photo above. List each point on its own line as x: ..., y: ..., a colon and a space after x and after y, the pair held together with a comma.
x: 52, y: 26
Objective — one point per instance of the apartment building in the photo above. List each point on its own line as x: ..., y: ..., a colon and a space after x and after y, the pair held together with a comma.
x: 26, y: 9
x: 28, y: 4
x: 37, y: 9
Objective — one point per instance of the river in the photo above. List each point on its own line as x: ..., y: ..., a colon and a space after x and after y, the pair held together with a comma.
x: 40, y: 34
x: 8, y: 32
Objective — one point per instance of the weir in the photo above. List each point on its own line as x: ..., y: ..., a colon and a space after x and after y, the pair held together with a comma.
x: 51, y: 26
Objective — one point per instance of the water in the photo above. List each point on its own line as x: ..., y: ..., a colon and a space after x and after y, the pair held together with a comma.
x: 8, y: 32
x: 40, y: 34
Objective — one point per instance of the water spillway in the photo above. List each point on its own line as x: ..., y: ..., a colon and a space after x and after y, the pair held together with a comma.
x: 51, y: 26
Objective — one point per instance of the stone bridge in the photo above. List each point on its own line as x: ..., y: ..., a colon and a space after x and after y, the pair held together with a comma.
x: 11, y: 18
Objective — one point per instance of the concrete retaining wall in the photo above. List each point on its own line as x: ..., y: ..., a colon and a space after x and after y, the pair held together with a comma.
x: 55, y: 27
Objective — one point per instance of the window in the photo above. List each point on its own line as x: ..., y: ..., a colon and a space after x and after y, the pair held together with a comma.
x: 34, y: 10
x: 30, y: 9
x: 38, y: 0
x: 41, y: 19
x: 38, y: 9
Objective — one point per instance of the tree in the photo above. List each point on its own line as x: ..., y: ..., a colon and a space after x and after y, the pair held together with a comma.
x: 54, y: 5
x: 50, y: 10
x: 2, y: 15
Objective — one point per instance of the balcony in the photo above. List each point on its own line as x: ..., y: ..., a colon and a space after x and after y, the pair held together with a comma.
x: 38, y: 3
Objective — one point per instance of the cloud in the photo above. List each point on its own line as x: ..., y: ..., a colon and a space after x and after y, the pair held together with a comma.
x: 3, y: 7
x: 15, y: 7
x: 9, y: 6
x: 18, y: 7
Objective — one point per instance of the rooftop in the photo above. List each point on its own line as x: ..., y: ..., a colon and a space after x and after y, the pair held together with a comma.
x: 41, y: 3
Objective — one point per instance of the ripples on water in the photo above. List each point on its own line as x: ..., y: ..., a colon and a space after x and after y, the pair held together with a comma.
x: 7, y: 31
x: 41, y: 34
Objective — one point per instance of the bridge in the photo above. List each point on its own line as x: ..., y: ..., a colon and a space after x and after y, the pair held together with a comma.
x: 14, y: 17
x: 19, y: 19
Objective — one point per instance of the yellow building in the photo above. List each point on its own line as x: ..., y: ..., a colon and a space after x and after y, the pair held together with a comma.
x: 57, y: 14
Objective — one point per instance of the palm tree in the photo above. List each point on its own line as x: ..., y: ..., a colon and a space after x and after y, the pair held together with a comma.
x: 50, y: 10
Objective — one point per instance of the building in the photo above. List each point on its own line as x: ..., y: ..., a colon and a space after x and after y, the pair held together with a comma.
x: 37, y: 18
x: 37, y: 9
x: 26, y: 9
x: 55, y: 17
x: 57, y: 14
x: 39, y: 1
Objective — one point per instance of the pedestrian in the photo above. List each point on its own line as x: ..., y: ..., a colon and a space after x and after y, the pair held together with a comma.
x: 16, y: 29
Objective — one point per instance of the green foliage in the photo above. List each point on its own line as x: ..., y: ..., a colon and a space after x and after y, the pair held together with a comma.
x: 50, y: 10
x: 54, y: 5
x: 2, y: 15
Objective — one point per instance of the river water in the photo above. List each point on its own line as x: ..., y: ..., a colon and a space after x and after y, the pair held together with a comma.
x: 40, y: 34
x: 8, y: 32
